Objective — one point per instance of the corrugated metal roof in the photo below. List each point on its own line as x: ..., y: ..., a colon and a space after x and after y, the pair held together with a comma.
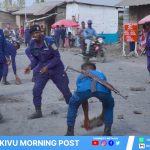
x: 97, y: 2
x: 133, y: 2
x: 42, y: 8
x: 39, y: 9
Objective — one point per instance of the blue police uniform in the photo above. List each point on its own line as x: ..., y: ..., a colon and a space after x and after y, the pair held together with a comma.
x: 57, y: 36
x: 84, y: 92
x: 27, y: 36
x: 63, y: 34
x: 47, y: 55
x: 12, y: 51
x: 3, y: 52
x: 148, y: 51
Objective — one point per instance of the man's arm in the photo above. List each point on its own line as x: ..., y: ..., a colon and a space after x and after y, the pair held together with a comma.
x: 85, y: 34
x: 94, y: 33
x: 85, y: 107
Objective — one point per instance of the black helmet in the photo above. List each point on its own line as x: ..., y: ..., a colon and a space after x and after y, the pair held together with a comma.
x: 35, y: 28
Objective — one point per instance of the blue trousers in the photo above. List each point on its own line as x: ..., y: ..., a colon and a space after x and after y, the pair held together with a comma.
x: 80, y: 97
x: 5, y: 70
x: 148, y: 63
x: 60, y: 80
x: 132, y: 46
x: 57, y: 40
x: 1, y: 71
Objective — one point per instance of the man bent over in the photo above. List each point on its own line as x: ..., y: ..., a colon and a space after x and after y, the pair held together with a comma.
x: 85, y: 86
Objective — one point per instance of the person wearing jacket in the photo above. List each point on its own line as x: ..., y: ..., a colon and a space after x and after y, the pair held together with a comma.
x: 46, y: 64
x: 148, y: 47
x: 4, y: 57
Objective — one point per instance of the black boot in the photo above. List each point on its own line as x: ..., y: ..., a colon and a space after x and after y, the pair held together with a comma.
x: 37, y: 114
x: 70, y: 131
x: 5, y: 82
x: 107, y: 131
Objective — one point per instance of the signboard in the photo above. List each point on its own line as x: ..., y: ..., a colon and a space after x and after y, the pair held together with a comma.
x: 130, y: 32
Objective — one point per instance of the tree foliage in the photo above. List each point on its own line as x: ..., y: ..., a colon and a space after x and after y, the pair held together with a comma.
x: 12, y: 5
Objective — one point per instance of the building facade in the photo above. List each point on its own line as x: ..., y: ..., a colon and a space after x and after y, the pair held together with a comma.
x: 105, y: 18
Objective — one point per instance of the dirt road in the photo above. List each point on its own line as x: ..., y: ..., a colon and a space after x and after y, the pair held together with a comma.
x: 16, y: 100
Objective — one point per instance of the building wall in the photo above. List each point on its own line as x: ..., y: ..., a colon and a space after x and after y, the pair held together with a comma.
x: 105, y: 19
x: 7, y: 18
x: 22, y: 19
x: 139, y: 12
x: 61, y: 10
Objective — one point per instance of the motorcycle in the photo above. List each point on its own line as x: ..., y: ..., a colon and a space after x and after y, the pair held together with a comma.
x: 96, y: 50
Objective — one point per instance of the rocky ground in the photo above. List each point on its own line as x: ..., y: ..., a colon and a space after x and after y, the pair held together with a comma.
x: 131, y: 117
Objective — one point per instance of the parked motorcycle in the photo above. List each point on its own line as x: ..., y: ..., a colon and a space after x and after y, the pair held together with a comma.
x: 96, y: 50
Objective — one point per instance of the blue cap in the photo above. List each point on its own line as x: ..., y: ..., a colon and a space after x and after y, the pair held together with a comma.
x: 89, y: 22
x: 35, y: 28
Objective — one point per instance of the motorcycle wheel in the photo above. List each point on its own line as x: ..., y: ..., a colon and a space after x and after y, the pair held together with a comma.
x: 101, y: 56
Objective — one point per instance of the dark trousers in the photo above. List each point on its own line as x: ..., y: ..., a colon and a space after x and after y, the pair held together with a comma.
x: 5, y: 70
x: 1, y: 71
x: 60, y: 80
x: 148, y: 63
x: 132, y: 46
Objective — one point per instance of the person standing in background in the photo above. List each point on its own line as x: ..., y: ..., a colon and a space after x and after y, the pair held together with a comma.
x: 57, y: 35
x: 148, y: 48
x: 11, y: 47
x: 27, y: 36
x: 81, y: 35
x: 42, y: 30
x: 63, y: 34
x: 22, y: 31
x: 4, y: 57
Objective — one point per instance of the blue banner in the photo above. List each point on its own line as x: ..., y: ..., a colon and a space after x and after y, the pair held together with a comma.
x: 74, y: 143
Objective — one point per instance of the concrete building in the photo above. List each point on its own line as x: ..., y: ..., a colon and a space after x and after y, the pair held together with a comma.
x: 103, y: 13
x: 138, y: 9
x: 6, y: 17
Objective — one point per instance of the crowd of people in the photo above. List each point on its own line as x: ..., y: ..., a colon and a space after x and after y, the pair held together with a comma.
x: 46, y: 64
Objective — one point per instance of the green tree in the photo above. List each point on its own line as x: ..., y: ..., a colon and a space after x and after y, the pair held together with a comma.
x: 7, y: 4
x: 21, y: 3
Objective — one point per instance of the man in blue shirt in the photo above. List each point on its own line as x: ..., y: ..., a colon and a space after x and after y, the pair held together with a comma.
x: 46, y: 64
x: 89, y: 33
x: 87, y: 88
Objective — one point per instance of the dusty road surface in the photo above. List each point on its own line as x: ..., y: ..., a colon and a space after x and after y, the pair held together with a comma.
x: 16, y: 100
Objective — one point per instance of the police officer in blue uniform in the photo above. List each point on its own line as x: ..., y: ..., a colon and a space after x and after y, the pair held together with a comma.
x: 57, y: 35
x: 11, y: 47
x: 148, y: 48
x: 4, y: 57
x: 84, y: 92
x: 46, y: 64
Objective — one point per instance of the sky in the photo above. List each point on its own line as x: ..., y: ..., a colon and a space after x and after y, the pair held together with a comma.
x: 29, y: 2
